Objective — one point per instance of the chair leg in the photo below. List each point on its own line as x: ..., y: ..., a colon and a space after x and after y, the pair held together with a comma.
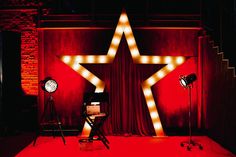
x: 104, y: 140
x: 101, y: 136
x: 95, y: 130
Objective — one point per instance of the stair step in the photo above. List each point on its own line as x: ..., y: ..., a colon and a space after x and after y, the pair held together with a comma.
x: 232, y: 69
x: 224, y: 66
x: 220, y: 56
x: 226, y: 62
x: 216, y: 49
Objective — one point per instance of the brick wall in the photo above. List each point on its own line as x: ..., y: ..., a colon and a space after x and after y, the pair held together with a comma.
x: 23, y: 21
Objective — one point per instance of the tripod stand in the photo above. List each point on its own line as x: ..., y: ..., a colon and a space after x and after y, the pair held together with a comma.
x: 52, y: 121
x: 189, y: 143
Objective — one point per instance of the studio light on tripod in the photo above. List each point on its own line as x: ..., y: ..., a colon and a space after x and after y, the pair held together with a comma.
x: 49, y: 116
x: 49, y: 85
x: 185, y: 81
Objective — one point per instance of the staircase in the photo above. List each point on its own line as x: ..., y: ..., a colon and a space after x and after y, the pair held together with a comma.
x: 220, y: 54
x: 219, y: 95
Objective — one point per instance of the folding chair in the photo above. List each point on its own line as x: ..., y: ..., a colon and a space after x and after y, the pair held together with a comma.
x: 95, y: 111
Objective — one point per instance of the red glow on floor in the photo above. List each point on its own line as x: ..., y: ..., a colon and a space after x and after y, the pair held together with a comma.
x: 48, y: 146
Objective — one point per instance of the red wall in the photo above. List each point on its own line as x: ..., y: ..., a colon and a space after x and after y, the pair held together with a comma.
x: 170, y: 97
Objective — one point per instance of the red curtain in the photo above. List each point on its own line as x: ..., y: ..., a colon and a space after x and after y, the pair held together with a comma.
x: 123, y: 78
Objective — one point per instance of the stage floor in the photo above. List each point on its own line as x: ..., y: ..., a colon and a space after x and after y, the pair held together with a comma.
x: 121, y: 146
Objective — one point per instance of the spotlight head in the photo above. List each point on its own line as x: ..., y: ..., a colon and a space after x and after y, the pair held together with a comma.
x: 185, y: 81
x: 49, y: 85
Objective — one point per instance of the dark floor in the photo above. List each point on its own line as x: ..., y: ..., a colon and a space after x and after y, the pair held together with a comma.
x: 15, y: 141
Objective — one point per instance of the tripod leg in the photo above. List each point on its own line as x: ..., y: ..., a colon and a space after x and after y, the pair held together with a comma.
x: 62, y: 135
x: 58, y: 123
x: 40, y: 121
x: 35, y: 139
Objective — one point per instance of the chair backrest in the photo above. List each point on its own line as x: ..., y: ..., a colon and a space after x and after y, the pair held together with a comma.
x: 94, y: 103
x: 96, y: 97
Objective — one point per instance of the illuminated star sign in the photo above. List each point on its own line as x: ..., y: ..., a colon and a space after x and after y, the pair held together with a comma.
x: 123, y: 26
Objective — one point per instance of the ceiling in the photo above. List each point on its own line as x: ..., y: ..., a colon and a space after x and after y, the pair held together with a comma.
x: 115, y: 6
